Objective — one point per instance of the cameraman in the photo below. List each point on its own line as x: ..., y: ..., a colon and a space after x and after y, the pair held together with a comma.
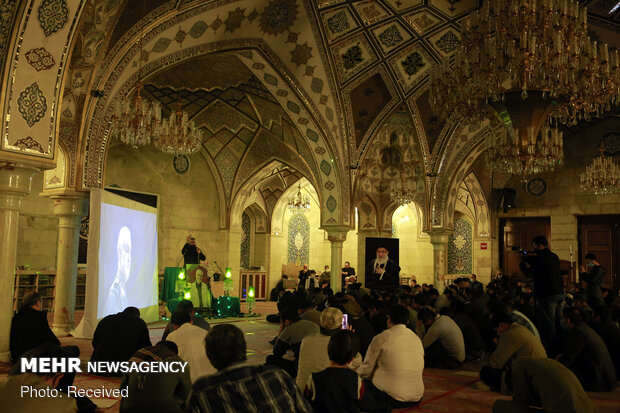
x: 544, y: 267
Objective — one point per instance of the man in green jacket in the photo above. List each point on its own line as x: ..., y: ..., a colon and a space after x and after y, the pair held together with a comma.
x: 514, y: 341
x: 543, y: 382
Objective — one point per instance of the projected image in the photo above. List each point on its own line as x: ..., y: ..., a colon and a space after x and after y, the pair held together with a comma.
x: 117, y: 298
x: 127, y: 259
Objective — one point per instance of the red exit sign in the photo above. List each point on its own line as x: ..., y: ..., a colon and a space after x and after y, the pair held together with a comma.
x: 483, y: 245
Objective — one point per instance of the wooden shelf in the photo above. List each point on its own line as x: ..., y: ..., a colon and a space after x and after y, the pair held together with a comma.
x: 44, y: 282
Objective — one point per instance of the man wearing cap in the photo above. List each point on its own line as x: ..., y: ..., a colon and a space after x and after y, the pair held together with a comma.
x: 313, y: 355
x: 382, y: 272
x: 191, y: 253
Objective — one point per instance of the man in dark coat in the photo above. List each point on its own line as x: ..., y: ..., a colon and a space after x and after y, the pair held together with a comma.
x: 544, y: 267
x: 382, y: 273
x: 29, y: 327
x: 118, y: 336
x: 593, y: 278
x: 585, y: 353
x: 191, y: 253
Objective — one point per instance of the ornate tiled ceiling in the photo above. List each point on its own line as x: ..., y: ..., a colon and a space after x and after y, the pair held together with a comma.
x: 233, y: 109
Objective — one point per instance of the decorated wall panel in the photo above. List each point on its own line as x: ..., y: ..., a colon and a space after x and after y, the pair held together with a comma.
x: 246, y: 235
x: 460, y: 248
x: 45, y: 34
x: 299, y: 239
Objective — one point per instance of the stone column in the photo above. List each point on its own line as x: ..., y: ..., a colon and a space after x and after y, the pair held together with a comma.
x: 70, y: 210
x: 439, y: 239
x: 336, y: 237
x: 15, y: 183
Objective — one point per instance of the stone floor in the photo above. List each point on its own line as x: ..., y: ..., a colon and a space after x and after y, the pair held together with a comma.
x: 446, y: 391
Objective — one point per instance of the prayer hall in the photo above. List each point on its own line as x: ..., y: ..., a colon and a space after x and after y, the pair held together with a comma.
x: 329, y: 206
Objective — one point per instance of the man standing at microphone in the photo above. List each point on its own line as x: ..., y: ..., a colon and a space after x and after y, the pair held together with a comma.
x: 191, y: 253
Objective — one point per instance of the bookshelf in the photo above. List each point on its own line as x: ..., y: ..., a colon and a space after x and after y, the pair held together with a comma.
x: 44, y: 282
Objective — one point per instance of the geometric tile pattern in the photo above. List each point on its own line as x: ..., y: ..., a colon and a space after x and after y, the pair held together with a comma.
x: 299, y: 239
x: 390, y: 36
x: 446, y: 41
x: 246, y: 233
x: 403, y: 5
x: 370, y: 11
x: 352, y: 56
x: 32, y: 104
x: 411, y: 65
x: 338, y: 22
x: 53, y: 15
x: 423, y: 21
x: 28, y: 144
x: 40, y: 59
x: 460, y: 248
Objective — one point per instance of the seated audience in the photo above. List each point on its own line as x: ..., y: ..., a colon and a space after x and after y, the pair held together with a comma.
x: 11, y: 386
x: 238, y: 387
x: 156, y: 392
x: 29, y: 327
x: 196, y: 319
x: 394, y: 362
x: 474, y: 344
x: 514, y: 341
x: 585, y: 353
x: 546, y: 384
x: 360, y: 325
x: 313, y: 355
x: 308, y: 312
x: 337, y: 388
x: 118, y: 336
x: 444, y: 345
x: 507, y: 306
x: 378, y: 316
x: 295, y: 329
x: 609, y: 331
x: 190, y: 341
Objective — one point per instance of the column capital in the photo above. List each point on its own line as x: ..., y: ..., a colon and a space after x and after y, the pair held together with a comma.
x: 439, y: 236
x: 70, y: 205
x: 337, y: 234
x: 16, y: 179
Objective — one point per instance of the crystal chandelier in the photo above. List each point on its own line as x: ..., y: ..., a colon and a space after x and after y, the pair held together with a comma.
x: 178, y: 134
x: 602, y: 177
x: 536, y: 51
x: 135, y: 121
x: 299, y: 203
x: 403, y: 194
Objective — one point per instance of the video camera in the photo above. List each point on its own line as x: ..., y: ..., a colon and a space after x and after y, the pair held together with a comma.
x: 524, y: 253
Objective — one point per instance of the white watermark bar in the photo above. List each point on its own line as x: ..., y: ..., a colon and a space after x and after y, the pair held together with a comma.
x: 72, y: 365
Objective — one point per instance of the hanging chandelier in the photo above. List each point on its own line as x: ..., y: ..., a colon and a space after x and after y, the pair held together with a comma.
x: 528, y: 66
x: 602, y: 177
x: 404, y: 193
x: 178, y: 134
x: 137, y: 120
x: 299, y: 203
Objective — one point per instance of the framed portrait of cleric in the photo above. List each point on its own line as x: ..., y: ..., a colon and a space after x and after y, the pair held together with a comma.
x: 382, y: 268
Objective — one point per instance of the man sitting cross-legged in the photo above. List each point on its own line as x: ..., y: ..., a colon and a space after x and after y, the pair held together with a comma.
x: 190, y: 340
x: 444, y: 344
x: 394, y: 362
x: 238, y: 387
